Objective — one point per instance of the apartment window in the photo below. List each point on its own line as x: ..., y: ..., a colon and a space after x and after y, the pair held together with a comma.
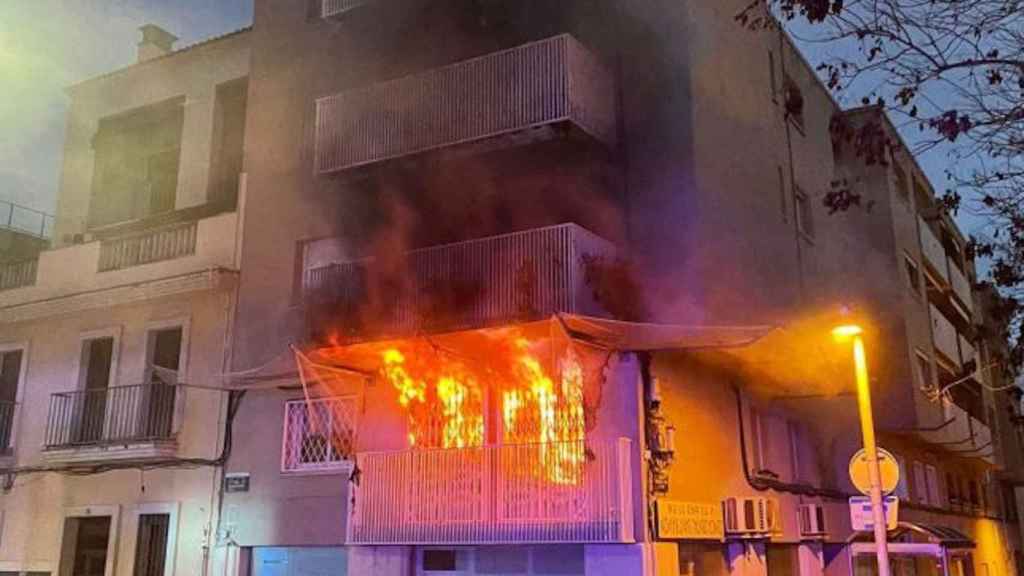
x: 901, y: 182
x: 804, y: 214
x: 137, y: 156
x: 932, y: 482
x: 163, y: 362
x: 96, y: 370
x: 758, y: 445
x: 794, y: 102
x: 920, y: 483
x: 151, y: 544
x: 952, y: 489
x: 903, y: 487
x: 228, y: 135
x: 440, y: 561
x: 913, y: 274
x: 783, y: 204
x: 782, y: 560
x: 319, y: 435
x: 924, y: 370
x: 10, y: 376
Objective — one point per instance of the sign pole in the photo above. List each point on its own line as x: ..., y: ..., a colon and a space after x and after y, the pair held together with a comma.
x: 867, y: 427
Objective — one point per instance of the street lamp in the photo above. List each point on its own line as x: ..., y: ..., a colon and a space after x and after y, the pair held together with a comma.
x: 852, y: 332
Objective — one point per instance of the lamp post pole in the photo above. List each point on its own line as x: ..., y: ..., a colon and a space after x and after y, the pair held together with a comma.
x: 867, y: 428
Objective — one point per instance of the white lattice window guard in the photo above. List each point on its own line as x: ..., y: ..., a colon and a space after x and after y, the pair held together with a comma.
x: 319, y: 435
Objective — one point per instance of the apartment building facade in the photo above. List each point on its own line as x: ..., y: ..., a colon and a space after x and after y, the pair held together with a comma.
x: 114, y: 337
x: 493, y: 172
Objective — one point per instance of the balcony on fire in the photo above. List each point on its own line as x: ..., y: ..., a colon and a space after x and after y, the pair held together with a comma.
x: 521, y: 94
x: 516, y: 277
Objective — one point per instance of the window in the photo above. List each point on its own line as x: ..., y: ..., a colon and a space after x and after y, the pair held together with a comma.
x: 151, y: 544
x: 163, y: 362
x: 794, y: 102
x: 932, y: 481
x: 924, y: 370
x: 440, y: 561
x: 903, y: 488
x: 900, y: 181
x: 96, y: 370
x: 319, y: 435
x: 136, y: 163
x: 795, y: 442
x: 913, y: 275
x: 702, y: 559
x: 920, y: 484
x: 10, y: 376
x: 804, y: 214
x: 953, y: 489
x: 757, y: 441
x: 782, y: 195
x: 228, y: 135
x: 782, y: 560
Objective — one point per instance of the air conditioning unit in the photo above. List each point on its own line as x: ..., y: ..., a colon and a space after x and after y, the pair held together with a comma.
x: 747, y: 516
x: 335, y: 8
x: 812, y: 520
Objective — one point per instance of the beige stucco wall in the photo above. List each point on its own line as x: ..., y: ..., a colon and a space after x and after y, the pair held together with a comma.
x: 193, y: 74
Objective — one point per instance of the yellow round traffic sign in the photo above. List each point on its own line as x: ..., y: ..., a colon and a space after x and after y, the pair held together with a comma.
x: 888, y: 467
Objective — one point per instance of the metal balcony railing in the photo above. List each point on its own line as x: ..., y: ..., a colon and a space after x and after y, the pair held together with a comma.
x: 318, y: 434
x: 542, y: 83
x: 7, y: 411
x: 494, y: 494
x: 961, y: 287
x: 123, y: 414
x: 515, y: 277
x: 150, y: 246
x: 25, y: 220
x: 331, y: 8
x: 944, y: 336
x: 934, y: 252
x: 18, y: 274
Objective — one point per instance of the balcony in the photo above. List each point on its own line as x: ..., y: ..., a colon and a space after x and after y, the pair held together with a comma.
x: 18, y: 274
x: 934, y: 252
x: 119, y: 423
x: 495, y: 494
x: 162, y: 261
x: 333, y: 8
x: 318, y: 435
x: 965, y: 434
x: 944, y: 336
x: 26, y: 221
x: 542, y: 84
x: 961, y: 287
x: 967, y: 351
x: 511, y: 278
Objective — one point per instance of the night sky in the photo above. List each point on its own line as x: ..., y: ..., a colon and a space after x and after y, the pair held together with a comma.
x: 46, y: 45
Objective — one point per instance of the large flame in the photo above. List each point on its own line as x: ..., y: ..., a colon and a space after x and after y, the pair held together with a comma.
x: 444, y: 399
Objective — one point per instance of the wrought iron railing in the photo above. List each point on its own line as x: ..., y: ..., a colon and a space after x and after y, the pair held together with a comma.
x: 18, y: 274
x: 515, y: 277
x: 156, y: 245
x: 330, y: 8
x: 7, y: 411
x: 495, y: 494
x: 319, y: 434
x: 537, y: 84
x: 122, y: 414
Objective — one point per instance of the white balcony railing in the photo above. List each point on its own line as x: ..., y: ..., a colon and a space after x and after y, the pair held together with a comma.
x: 318, y: 435
x: 542, y: 83
x: 934, y: 252
x: 18, y: 274
x: 961, y: 287
x: 514, y: 277
x: 944, y: 336
x: 963, y: 432
x: 332, y: 8
x: 967, y: 351
x: 165, y: 243
x: 499, y: 494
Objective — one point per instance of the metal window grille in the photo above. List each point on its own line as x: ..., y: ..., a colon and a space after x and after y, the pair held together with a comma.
x: 319, y: 435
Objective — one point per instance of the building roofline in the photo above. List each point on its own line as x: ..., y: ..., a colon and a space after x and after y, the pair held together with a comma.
x: 136, y: 65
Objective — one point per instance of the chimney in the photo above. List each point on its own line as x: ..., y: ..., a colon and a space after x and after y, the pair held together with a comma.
x: 155, y: 42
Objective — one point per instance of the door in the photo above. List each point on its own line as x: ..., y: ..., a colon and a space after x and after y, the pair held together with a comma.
x: 90, y: 557
x: 97, y: 356
x: 158, y: 401
x: 10, y: 372
x: 151, y: 544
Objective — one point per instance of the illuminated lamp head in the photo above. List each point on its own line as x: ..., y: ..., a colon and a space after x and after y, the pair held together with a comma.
x: 844, y: 332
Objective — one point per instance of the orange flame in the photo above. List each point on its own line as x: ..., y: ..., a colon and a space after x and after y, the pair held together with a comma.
x: 444, y: 402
